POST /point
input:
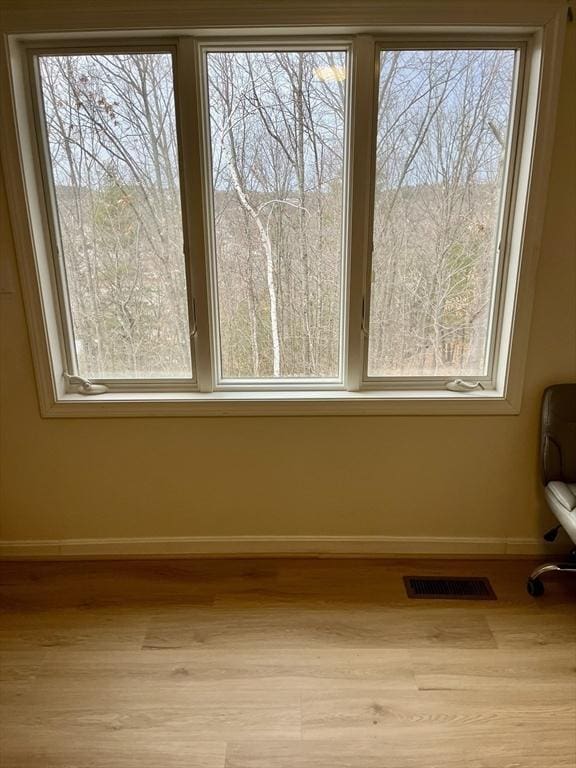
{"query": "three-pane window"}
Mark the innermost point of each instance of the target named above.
(276, 142)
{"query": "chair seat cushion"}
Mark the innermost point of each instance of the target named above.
(561, 498)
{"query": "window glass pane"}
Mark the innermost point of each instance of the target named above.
(111, 131)
(443, 130)
(277, 123)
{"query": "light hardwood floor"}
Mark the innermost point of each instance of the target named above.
(282, 664)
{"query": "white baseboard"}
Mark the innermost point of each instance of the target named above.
(271, 545)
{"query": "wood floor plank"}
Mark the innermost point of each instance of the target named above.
(140, 584)
(459, 714)
(69, 672)
(200, 715)
(400, 752)
(545, 669)
(281, 626)
(111, 628)
(518, 629)
(32, 747)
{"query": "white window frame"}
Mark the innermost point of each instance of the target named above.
(58, 271)
(497, 336)
(292, 43)
(539, 29)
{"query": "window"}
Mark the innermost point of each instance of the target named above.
(277, 126)
(280, 218)
(443, 133)
(112, 150)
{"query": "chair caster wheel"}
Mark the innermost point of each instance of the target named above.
(535, 587)
(552, 533)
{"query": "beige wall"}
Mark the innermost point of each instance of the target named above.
(400, 476)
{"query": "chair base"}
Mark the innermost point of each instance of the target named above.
(535, 585)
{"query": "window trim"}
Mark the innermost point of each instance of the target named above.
(543, 68)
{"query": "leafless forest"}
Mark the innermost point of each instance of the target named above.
(277, 124)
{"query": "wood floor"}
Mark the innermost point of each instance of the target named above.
(282, 664)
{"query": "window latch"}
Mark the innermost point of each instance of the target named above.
(194, 325)
(365, 326)
(459, 385)
(80, 386)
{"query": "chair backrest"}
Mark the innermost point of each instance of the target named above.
(558, 437)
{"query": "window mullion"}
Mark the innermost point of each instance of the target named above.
(193, 149)
(362, 158)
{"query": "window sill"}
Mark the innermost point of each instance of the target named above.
(310, 403)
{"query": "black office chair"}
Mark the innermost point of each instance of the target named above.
(558, 458)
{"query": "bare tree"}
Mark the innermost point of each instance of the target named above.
(112, 134)
(277, 131)
(277, 124)
(442, 119)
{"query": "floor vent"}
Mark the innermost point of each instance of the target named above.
(463, 588)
